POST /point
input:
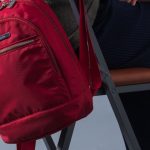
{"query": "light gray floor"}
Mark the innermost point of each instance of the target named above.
(99, 131)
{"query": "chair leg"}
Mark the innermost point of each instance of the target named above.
(65, 138)
(122, 118)
(50, 145)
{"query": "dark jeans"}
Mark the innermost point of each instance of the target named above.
(137, 106)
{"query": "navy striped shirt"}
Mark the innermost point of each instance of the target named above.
(123, 32)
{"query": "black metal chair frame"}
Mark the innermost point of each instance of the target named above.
(64, 139)
(112, 92)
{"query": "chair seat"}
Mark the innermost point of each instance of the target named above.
(130, 76)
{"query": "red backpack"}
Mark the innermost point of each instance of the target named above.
(44, 87)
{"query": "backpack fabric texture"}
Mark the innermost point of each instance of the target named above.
(44, 87)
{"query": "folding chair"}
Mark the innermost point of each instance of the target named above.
(114, 82)
(64, 139)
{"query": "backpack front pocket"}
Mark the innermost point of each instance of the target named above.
(30, 79)
(15, 46)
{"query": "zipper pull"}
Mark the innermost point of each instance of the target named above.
(11, 3)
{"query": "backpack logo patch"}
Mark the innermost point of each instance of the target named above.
(4, 36)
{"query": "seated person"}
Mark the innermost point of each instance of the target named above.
(123, 32)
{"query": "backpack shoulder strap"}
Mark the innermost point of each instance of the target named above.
(29, 145)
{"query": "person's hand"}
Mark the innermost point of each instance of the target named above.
(133, 2)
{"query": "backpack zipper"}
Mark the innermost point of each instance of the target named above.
(15, 46)
(43, 39)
